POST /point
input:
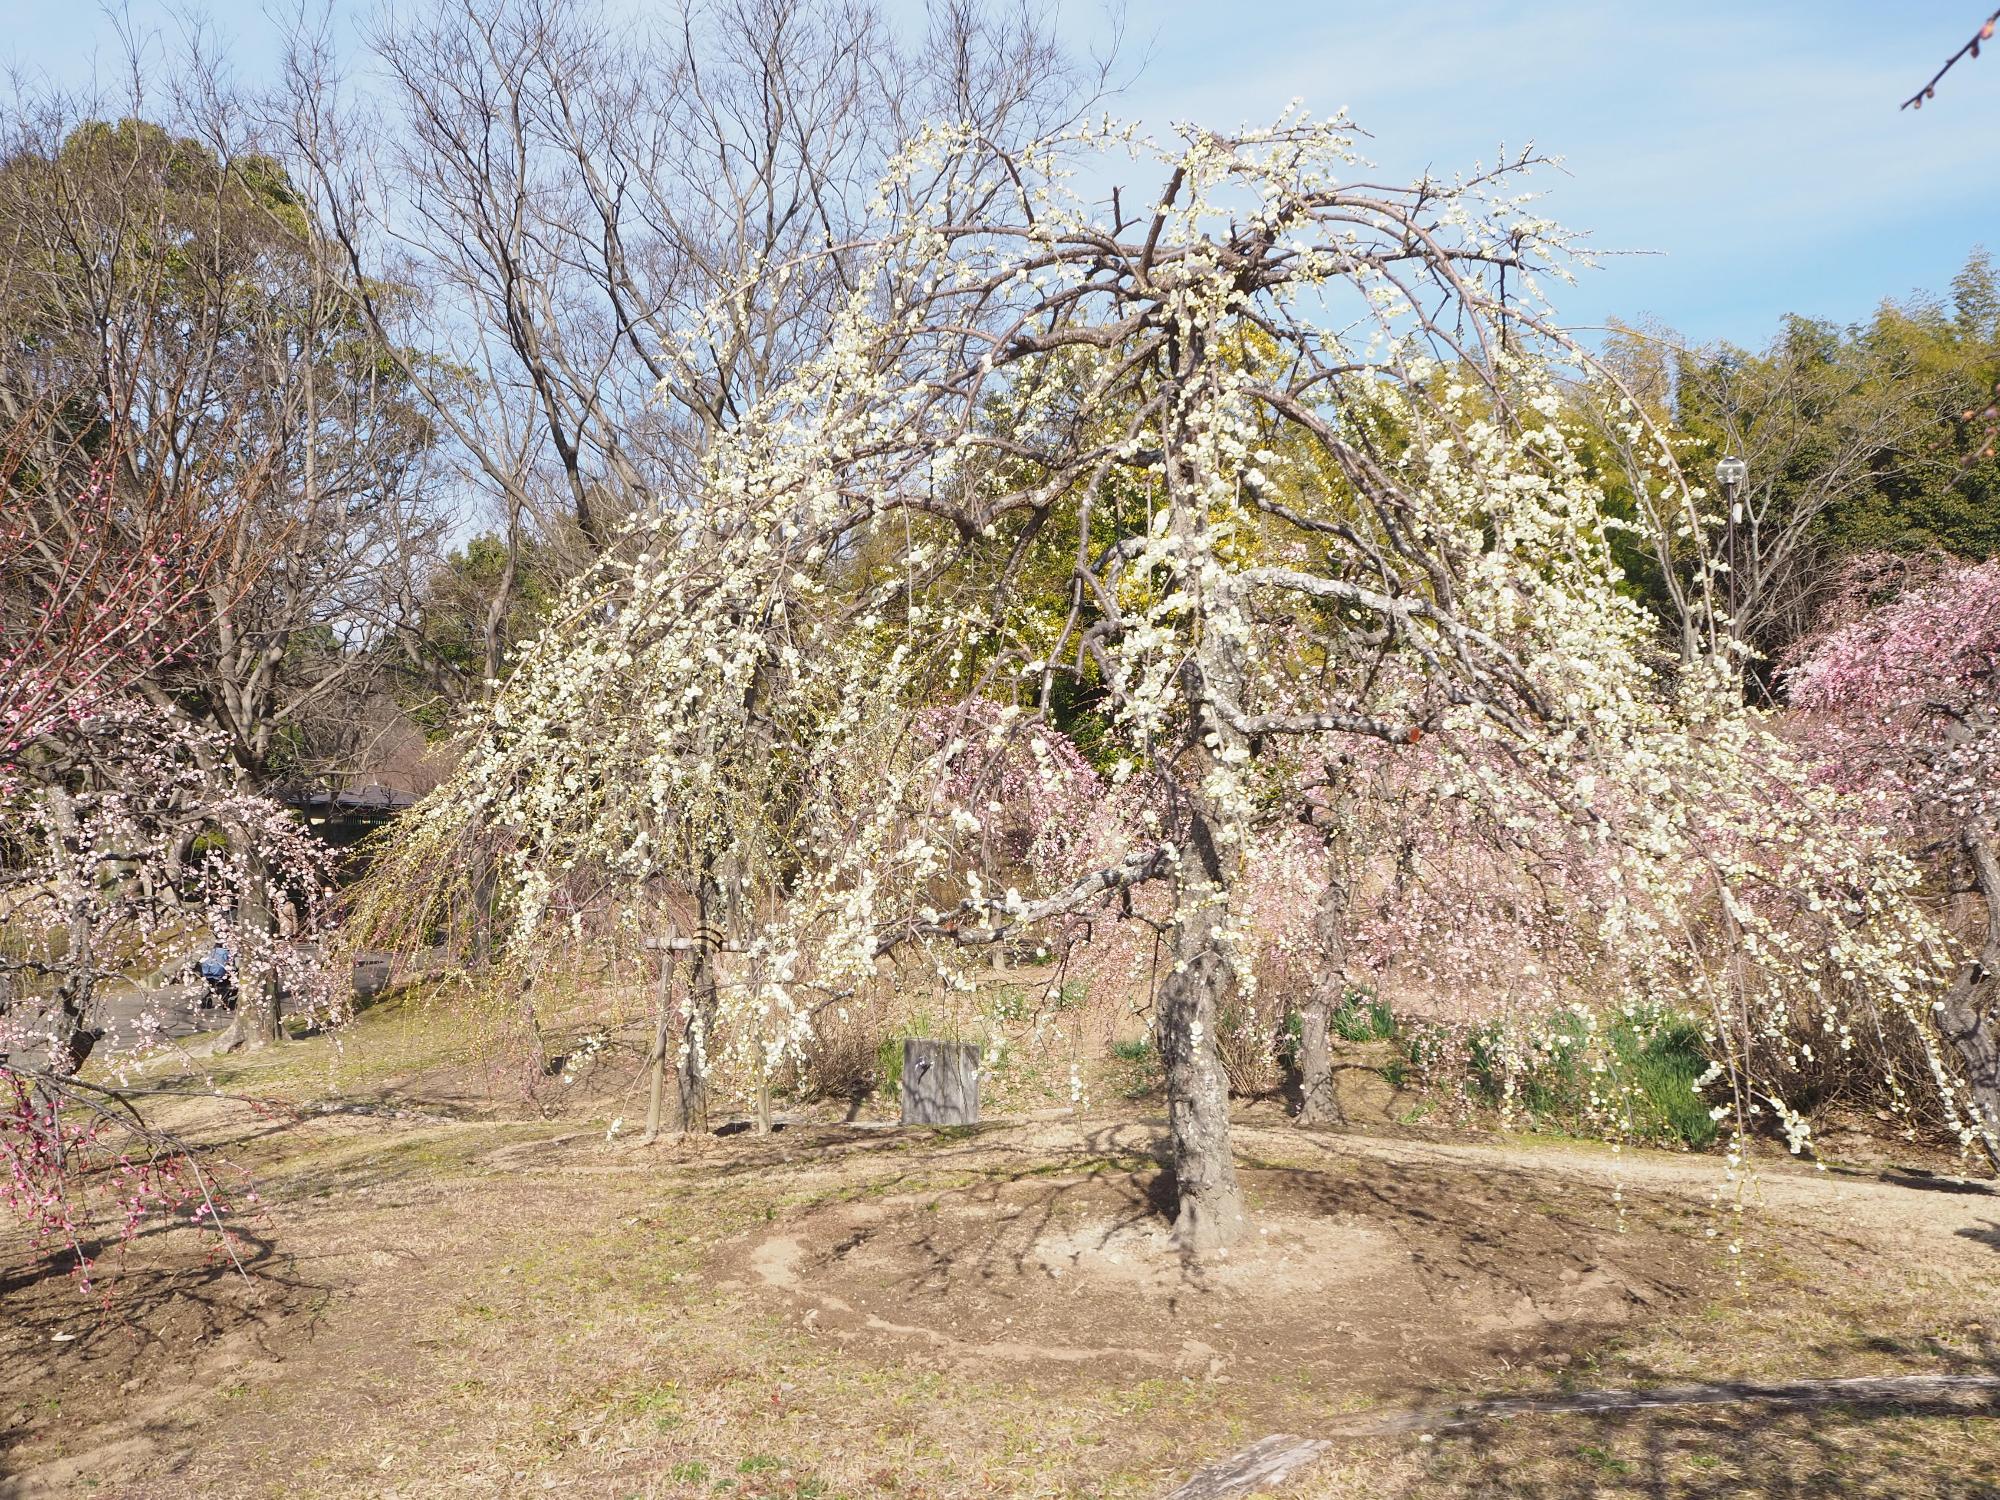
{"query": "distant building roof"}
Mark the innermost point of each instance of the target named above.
(360, 799)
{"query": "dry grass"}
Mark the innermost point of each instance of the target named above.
(466, 1298)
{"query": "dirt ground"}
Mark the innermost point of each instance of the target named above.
(447, 1299)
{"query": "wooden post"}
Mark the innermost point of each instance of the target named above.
(663, 1018)
(940, 1082)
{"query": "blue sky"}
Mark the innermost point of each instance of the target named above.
(1754, 149)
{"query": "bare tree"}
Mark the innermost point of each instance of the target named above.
(546, 205)
(166, 284)
(545, 202)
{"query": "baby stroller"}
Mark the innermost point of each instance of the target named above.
(218, 979)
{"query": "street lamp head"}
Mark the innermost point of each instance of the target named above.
(1730, 473)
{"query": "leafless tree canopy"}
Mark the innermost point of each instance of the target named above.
(543, 198)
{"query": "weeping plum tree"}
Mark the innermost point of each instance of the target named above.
(1902, 701)
(129, 841)
(1295, 457)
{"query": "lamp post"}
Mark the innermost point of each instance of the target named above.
(1730, 472)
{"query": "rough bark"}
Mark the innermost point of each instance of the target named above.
(1191, 996)
(71, 1036)
(259, 1004)
(1201, 979)
(692, 1069)
(1969, 1016)
(1318, 1104)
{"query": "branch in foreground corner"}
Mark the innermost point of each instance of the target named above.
(1970, 49)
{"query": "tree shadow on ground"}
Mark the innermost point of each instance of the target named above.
(1990, 1235)
(1426, 1273)
(1944, 1445)
(171, 1290)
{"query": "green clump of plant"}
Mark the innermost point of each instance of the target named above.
(1664, 1067)
(1141, 1067)
(889, 1064)
(1643, 1066)
(889, 1052)
(1360, 1017)
(1363, 1017)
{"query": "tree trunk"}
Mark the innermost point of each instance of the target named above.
(701, 1004)
(1213, 680)
(1969, 1016)
(71, 1036)
(1318, 1103)
(1191, 997)
(258, 1002)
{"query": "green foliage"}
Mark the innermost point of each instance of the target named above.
(1363, 1018)
(1360, 1017)
(1870, 437)
(1645, 1066)
(889, 1065)
(455, 608)
(1140, 1068)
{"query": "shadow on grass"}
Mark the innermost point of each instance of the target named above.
(1942, 1443)
(172, 1290)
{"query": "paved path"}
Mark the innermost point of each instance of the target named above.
(135, 1017)
(131, 1017)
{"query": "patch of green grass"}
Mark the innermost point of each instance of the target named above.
(1139, 1065)
(1363, 1018)
(1603, 1460)
(693, 1471)
(662, 1403)
(1646, 1065)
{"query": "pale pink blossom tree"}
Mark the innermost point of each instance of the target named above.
(131, 849)
(1901, 704)
(97, 592)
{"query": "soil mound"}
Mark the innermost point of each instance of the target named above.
(1360, 1273)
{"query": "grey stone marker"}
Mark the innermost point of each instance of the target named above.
(940, 1082)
